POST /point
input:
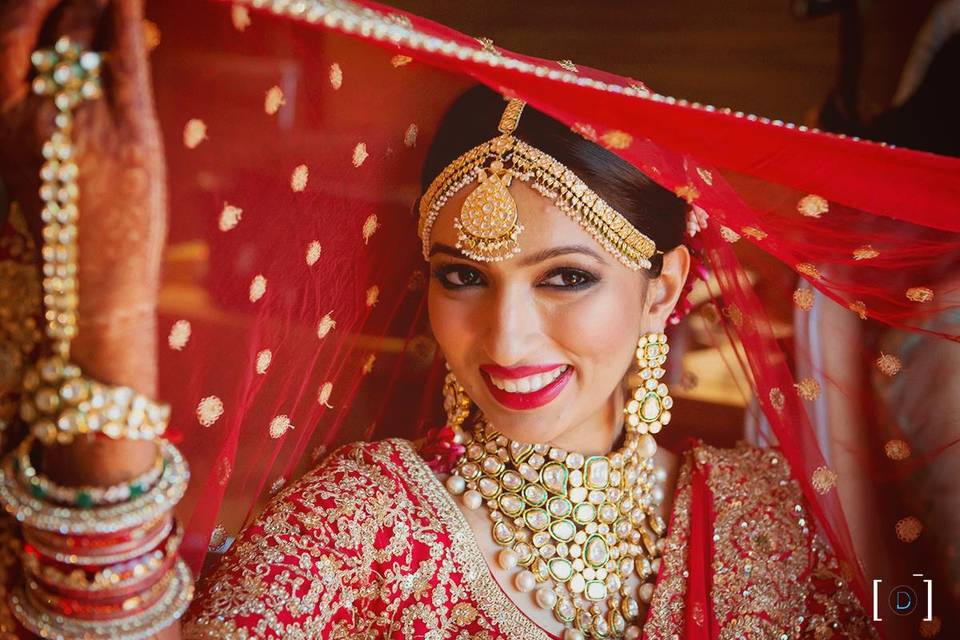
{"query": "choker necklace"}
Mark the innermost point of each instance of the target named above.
(575, 527)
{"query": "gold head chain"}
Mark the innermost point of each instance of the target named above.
(488, 227)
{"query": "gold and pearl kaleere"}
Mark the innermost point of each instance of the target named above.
(488, 226)
(59, 401)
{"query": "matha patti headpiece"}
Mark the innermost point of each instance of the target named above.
(488, 226)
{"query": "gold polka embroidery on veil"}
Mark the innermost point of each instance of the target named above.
(370, 226)
(729, 234)
(824, 479)
(273, 100)
(230, 217)
(264, 358)
(326, 325)
(240, 16)
(179, 335)
(368, 363)
(279, 426)
(889, 365)
(866, 252)
(373, 294)
(568, 65)
(258, 287)
(224, 470)
(584, 130)
(753, 232)
(194, 132)
(687, 192)
(813, 206)
(359, 154)
(919, 294)
(209, 410)
(336, 76)
(897, 449)
(808, 388)
(808, 269)
(299, 177)
(616, 139)
(323, 395)
(777, 399)
(705, 175)
(803, 298)
(416, 281)
(908, 529)
(313, 253)
(410, 135)
(399, 60)
(859, 308)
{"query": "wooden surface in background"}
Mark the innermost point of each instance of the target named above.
(751, 55)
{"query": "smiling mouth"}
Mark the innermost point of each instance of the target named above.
(527, 384)
(528, 392)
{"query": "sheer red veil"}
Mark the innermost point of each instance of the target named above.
(293, 311)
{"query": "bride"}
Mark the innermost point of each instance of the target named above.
(554, 269)
(402, 300)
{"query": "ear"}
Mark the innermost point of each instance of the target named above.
(664, 291)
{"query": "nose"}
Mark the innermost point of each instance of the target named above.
(513, 325)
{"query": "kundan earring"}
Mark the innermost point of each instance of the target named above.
(648, 410)
(456, 404)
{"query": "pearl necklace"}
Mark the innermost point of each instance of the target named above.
(578, 525)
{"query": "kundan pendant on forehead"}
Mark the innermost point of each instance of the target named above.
(488, 226)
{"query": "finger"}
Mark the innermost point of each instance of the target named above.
(20, 24)
(79, 20)
(129, 66)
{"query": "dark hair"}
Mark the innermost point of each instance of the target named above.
(473, 119)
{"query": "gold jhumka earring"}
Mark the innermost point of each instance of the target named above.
(456, 404)
(648, 411)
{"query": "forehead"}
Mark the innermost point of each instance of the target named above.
(544, 224)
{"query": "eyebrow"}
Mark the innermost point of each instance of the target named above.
(527, 260)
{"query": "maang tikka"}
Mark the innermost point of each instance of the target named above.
(488, 225)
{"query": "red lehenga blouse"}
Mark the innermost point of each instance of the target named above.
(371, 545)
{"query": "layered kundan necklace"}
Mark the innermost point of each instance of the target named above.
(574, 527)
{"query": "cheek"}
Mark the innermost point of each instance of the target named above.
(600, 331)
(450, 323)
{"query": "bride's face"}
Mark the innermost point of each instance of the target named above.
(541, 341)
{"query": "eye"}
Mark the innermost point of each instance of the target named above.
(569, 278)
(457, 276)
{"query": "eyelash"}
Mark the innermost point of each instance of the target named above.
(587, 279)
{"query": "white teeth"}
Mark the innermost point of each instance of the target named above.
(528, 384)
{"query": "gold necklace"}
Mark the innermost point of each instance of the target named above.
(575, 527)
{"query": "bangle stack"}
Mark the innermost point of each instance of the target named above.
(99, 561)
